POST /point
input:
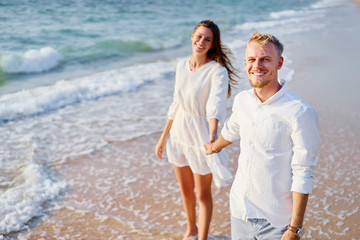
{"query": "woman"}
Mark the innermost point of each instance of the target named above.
(199, 105)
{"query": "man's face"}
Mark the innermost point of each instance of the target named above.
(262, 64)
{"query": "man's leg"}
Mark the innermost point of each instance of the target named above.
(254, 229)
(241, 230)
(264, 230)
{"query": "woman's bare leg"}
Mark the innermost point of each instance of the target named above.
(204, 196)
(185, 178)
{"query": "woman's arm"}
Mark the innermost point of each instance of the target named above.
(216, 105)
(213, 127)
(160, 146)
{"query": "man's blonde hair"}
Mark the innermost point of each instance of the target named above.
(264, 38)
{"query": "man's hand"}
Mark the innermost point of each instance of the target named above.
(289, 235)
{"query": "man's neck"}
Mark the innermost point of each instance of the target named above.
(267, 92)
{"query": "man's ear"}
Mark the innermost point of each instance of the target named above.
(280, 63)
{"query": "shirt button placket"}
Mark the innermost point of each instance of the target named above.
(253, 126)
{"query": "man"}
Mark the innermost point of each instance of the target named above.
(279, 141)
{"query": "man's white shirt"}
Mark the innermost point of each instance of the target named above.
(279, 141)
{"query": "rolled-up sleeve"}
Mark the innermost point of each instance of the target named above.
(217, 101)
(231, 129)
(306, 143)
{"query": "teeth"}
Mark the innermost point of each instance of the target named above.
(199, 46)
(258, 74)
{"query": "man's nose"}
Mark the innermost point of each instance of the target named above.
(257, 63)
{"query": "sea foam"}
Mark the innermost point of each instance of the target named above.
(67, 92)
(31, 61)
(29, 190)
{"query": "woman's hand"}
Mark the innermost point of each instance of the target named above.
(208, 148)
(160, 148)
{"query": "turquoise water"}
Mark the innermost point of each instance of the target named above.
(38, 37)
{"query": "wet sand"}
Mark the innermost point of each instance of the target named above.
(121, 191)
(326, 76)
(121, 200)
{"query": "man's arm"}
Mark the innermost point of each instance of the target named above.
(306, 140)
(216, 146)
(299, 206)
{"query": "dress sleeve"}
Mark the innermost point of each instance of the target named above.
(217, 101)
(173, 109)
(175, 103)
(231, 129)
(306, 143)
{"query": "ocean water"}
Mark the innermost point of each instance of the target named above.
(78, 76)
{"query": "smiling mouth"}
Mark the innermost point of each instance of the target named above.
(199, 46)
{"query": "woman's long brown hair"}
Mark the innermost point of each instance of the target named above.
(220, 53)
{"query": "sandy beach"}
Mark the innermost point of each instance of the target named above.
(145, 196)
(326, 77)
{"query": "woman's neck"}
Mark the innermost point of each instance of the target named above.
(197, 61)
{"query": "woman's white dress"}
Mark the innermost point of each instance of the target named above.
(199, 95)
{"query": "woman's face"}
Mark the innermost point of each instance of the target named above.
(202, 40)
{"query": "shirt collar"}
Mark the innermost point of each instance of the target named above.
(284, 88)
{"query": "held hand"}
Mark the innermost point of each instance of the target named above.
(160, 148)
(208, 148)
(288, 235)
